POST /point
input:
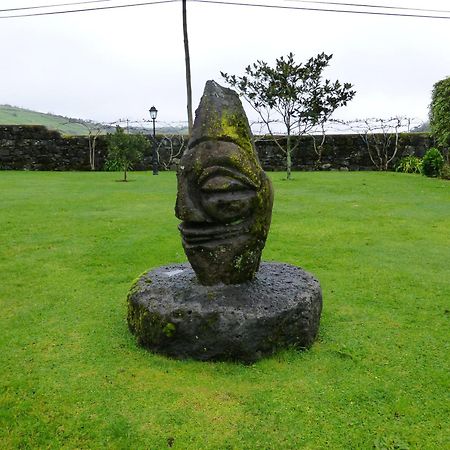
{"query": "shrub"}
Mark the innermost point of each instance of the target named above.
(124, 150)
(409, 164)
(445, 172)
(432, 163)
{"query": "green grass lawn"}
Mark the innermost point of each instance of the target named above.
(71, 375)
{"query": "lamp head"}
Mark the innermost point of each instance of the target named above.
(153, 112)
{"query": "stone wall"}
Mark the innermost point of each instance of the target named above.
(34, 147)
(37, 148)
(340, 152)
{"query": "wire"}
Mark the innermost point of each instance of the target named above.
(361, 5)
(53, 6)
(231, 3)
(259, 5)
(51, 13)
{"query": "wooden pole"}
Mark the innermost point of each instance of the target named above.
(188, 69)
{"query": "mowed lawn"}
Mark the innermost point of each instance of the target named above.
(71, 375)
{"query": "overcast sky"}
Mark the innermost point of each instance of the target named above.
(113, 64)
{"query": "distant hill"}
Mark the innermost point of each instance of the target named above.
(422, 128)
(12, 115)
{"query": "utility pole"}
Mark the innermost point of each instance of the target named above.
(188, 69)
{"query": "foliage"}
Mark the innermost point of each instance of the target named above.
(293, 94)
(409, 164)
(440, 112)
(72, 376)
(432, 163)
(124, 150)
(445, 172)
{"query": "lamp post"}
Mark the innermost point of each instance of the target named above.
(153, 113)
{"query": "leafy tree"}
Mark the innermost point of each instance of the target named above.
(292, 94)
(124, 150)
(440, 112)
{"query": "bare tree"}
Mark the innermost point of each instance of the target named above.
(169, 149)
(381, 137)
(93, 132)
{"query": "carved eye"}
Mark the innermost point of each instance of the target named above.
(226, 195)
(222, 183)
(228, 206)
(220, 179)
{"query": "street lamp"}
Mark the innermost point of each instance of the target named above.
(153, 113)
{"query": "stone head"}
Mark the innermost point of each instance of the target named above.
(224, 197)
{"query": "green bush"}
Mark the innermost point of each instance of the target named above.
(124, 150)
(445, 172)
(432, 163)
(409, 164)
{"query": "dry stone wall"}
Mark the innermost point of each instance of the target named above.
(37, 148)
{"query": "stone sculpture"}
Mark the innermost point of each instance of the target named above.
(224, 197)
(220, 306)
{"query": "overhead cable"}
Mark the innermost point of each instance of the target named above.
(301, 8)
(362, 5)
(54, 6)
(98, 8)
(358, 5)
(231, 3)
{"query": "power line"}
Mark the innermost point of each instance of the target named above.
(53, 6)
(259, 5)
(362, 5)
(358, 5)
(99, 8)
(232, 3)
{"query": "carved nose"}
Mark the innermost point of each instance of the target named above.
(187, 211)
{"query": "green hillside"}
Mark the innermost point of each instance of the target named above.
(12, 115)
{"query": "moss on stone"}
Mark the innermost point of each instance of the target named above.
(235, 127)
(169, 329)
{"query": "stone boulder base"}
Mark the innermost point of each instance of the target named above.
(172, 314)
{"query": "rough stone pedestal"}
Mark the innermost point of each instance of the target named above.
(172, 314)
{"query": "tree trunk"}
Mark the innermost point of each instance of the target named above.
(188, 69)
(90, 150)
(288, 156)
(125, 175)
(93, 152)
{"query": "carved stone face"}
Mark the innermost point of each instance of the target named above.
(225, 204)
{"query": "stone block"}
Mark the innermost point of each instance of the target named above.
(171, 313)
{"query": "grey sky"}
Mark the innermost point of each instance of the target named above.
(114, 64)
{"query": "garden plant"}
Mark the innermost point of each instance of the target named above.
(124, 150)
(432, 163)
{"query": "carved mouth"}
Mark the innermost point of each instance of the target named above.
(195, 233)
